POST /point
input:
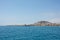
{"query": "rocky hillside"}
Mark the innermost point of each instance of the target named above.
(45, 23)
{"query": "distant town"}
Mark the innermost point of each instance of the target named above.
(45, 23)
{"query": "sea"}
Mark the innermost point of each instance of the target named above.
(29, 32)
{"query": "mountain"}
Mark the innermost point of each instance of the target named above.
(45, 23)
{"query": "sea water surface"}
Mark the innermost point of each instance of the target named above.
(29, 32)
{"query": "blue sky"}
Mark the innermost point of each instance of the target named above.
(28, 11)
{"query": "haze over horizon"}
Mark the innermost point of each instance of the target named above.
(29, 11)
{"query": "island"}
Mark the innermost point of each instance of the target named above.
(39, 23)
